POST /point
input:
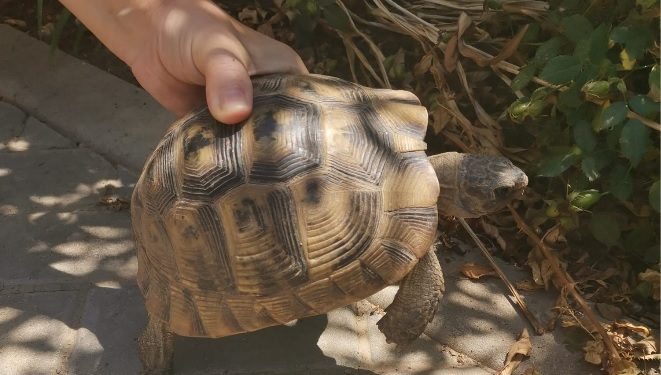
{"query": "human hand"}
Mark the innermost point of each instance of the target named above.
(195, 44)
(176, 48)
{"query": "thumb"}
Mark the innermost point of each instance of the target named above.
(228, 88)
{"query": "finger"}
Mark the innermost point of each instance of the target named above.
(174, 95)
(228, 87)
(271, 56)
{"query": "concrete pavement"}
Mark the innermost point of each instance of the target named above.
(68, 300)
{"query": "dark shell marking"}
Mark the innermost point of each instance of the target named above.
(322, 197)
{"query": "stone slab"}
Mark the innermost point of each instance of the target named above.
(36, 331)
(12, 120)
(32, 134)
(51, 224)
(119, 120)
(106, 342)
(423, 356)
(68, 246)
(478, 319)
(337, 343)
(276, 350)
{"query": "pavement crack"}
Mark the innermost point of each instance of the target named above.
(66, 350)
(28, 287)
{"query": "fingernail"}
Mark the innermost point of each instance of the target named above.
(233, 105)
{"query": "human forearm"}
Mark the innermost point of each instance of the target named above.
(177, 49)
(121, 25)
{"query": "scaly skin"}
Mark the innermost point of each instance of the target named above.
(416, 302)
(470, 186)
(156, 348)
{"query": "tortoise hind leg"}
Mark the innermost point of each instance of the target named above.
(156, 348)
(415, 303)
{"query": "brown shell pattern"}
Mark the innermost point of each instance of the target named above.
(322, 197)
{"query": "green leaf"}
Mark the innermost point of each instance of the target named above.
(654, 197)
(639, 238)
(336, 17)
(605, 228)
(584, 136)
(576, 27)
(634, 140)
(525, 107)
(561, 69)
(523, 78)
(654, 77)
(585, 199)
(557, 162)
(593, 163)
(589, 168)
(292, 3)
(578, 182)
(646, 4)
(598, 44)
(653, 81)
(613, 137)
(644, 106)
(549, 49)
(311, 7)
(596, 90)
(619, 182)
(569, 99)
(636, 39)
(611, 116)
(582, 50)
(621, 86)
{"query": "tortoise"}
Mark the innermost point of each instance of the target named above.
(322, 197)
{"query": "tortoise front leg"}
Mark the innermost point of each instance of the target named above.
(156, 348)
(416, 301)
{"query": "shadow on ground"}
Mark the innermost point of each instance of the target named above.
(68, 300)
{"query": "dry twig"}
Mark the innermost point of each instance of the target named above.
(568, 284)
(539, 329)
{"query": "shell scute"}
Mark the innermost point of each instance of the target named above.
(322, 197)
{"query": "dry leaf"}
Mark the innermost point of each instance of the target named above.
(623, 367)
(653, 277)
(112, 200)
(492, 231)
(593, 351)
(608, 311)
(475, 271)
(521, 348)
(644, 331)
(568, 321)
(510, 47)
(19, 24)
(645, 347)
(423, 65)
(555, 235)
(451, 55)
(248, 16)
(531, 371)
(528, 286)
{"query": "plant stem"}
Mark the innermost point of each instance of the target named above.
(539, 329)
(567, 283)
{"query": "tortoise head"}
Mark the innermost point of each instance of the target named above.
(476, 185)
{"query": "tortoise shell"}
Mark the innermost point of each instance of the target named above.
(321, 198)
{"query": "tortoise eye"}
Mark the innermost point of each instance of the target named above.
(502, 192)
